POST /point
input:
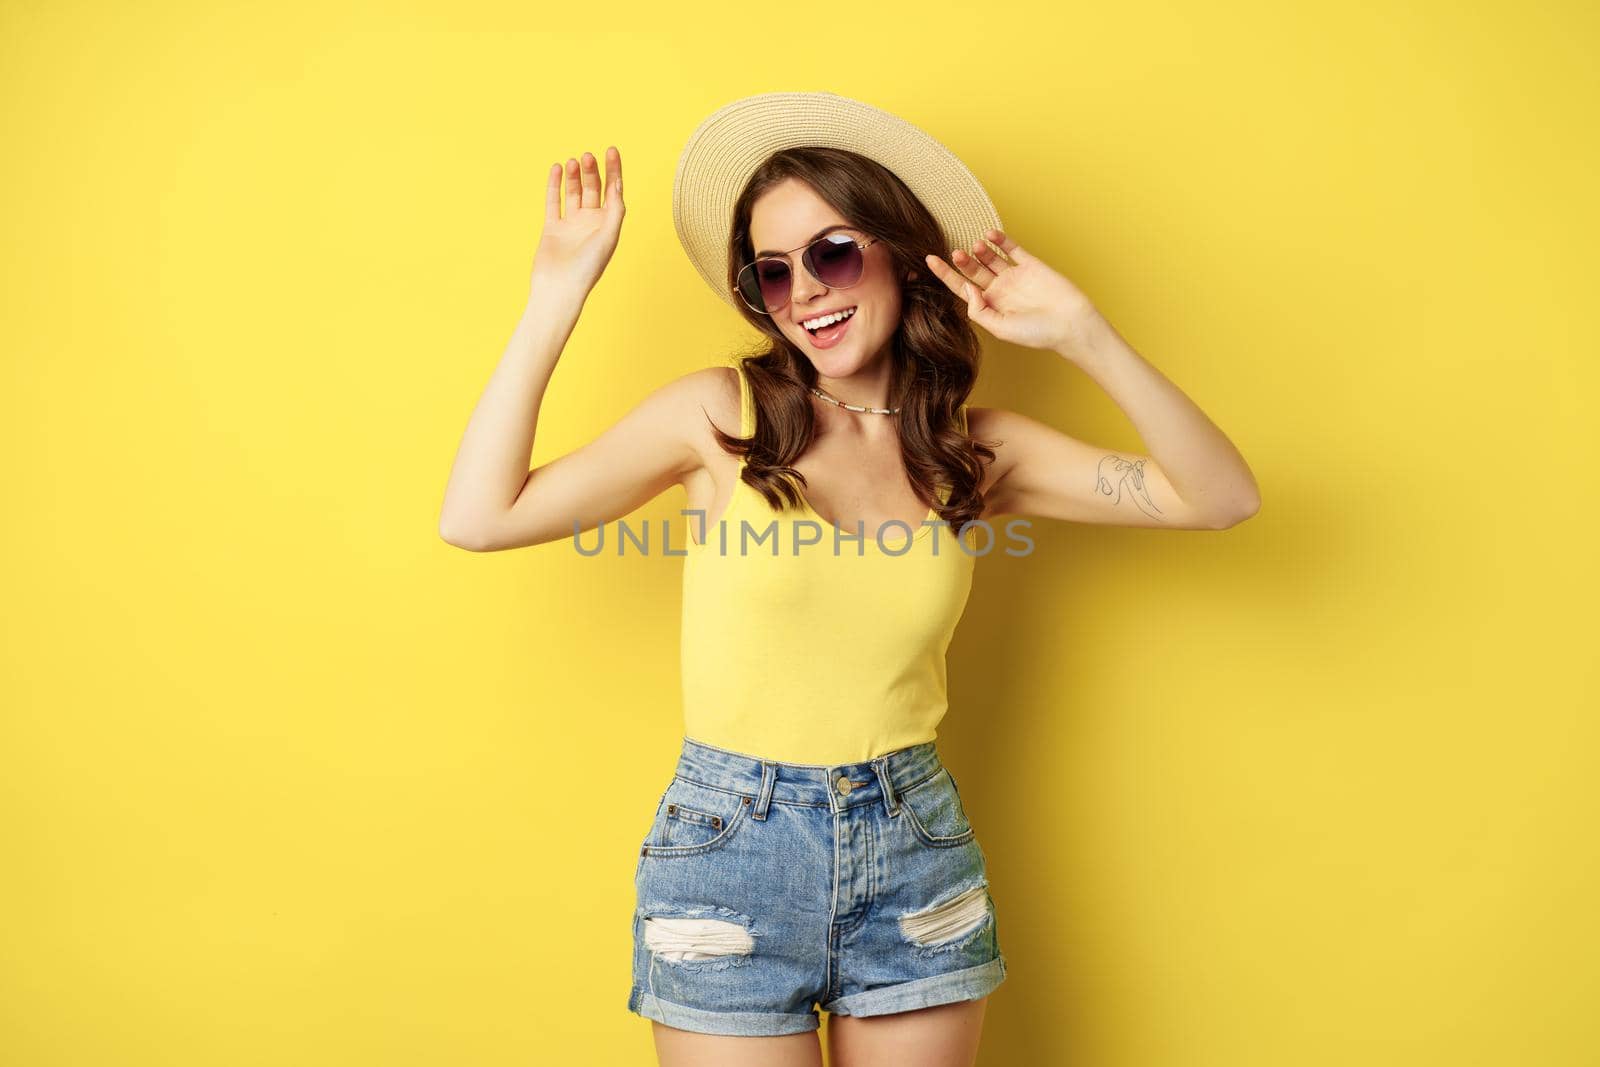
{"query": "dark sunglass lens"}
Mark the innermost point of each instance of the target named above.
(766, 283)
(837, 259)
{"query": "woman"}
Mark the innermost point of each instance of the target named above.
(810, 849)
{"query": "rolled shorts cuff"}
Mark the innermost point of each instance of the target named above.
(738, 1023)
(969, 984)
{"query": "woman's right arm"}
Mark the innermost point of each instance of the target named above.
(493, 500)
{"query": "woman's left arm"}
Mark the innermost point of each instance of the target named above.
(1194, 478)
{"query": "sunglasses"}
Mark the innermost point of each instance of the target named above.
(835, 259)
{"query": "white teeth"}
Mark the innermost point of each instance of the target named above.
(817, 324)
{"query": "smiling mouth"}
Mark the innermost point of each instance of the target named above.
(833, 329)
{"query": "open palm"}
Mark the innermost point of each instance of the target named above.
(574, 251)
(1020, 299)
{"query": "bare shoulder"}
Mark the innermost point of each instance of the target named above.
(717, 391)
(666, 436)
(722, 403)
(992, 426)
(711, 397)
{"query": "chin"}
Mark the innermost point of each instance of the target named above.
(845, 359)
(838, 364)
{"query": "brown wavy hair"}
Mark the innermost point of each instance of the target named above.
(935, 351)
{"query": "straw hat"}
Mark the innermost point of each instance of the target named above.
(725, 150)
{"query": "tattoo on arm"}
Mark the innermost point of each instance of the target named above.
(1114, 472)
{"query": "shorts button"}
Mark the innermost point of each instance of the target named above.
(844, 784)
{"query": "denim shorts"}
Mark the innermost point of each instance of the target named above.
(765, 889)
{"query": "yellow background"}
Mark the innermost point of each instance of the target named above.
(287, 779)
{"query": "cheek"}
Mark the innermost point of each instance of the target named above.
(888, 303)
(884, 296)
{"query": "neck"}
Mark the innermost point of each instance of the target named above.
(867, 388)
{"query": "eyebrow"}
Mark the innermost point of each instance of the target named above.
(813, 237)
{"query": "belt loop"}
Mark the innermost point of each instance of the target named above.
(768, 780)
(891, 801)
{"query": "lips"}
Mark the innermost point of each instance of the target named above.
(818, 315)
(829, 336)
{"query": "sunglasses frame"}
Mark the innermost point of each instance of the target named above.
(860, 238)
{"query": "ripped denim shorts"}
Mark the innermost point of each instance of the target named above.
(767, 889)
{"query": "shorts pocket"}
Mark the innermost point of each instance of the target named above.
(694, 818)
(933, 809)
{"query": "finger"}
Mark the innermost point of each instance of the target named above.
(989, 256)
(945, 273)
(972, 267)
(979, 310)
(590, 180)
(552, 193)
(1008, 246)
(614, 175)
(974, 297)
(574, 194)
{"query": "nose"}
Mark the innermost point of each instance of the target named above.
(803, 290)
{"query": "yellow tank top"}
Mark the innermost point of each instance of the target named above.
(791, 652)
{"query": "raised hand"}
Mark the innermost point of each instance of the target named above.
(573, 251)
(1020, 299)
